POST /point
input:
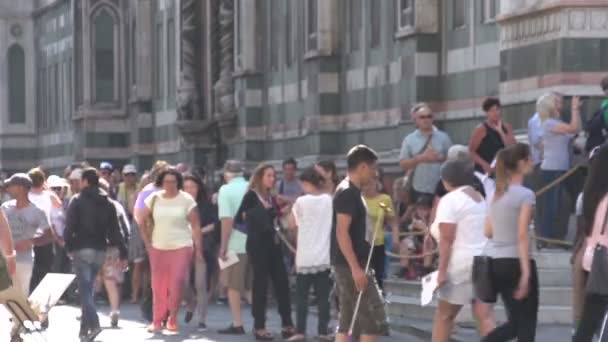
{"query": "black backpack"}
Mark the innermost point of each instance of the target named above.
(596, 129)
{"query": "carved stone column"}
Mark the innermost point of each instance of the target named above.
(224, 87)
(188, 93)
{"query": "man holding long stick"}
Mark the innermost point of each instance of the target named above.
(350, 249)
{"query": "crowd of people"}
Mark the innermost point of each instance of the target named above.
(167, 240)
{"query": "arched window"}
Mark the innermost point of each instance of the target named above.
(16, 84)
(104, 54)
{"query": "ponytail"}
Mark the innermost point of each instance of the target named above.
(502, 175)
(507, 162)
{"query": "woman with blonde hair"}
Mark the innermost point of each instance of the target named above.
(258, 211)
(556, 137)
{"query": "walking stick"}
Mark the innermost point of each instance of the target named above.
(386, 209)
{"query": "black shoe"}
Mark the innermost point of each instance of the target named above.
(93, 333)
(202, 327)
(232, 330)
(114, 320)
(188, 317)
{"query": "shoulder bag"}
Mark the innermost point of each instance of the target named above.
(409, 175)
(598, 275)
(483, 285)
(150, 227)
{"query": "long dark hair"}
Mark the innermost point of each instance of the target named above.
(201, 195)
(507, 162)
(596, 187)
(330, 166)
(312, 176)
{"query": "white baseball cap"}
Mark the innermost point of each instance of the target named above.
(56, 182)
(129, 168)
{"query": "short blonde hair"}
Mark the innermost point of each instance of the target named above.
(546, 106)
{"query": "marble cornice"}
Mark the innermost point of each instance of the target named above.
(585, 20)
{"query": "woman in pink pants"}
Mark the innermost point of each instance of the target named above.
(171, 234)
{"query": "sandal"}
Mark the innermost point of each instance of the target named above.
(263, 335)
(287, 332)
(296, 337)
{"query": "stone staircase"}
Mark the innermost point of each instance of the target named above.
(555, 277)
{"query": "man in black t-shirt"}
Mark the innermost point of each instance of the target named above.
(350, 249)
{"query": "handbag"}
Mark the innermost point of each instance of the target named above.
(597, 283)
(483, 284)
(5, 278)
(409, 176)
(150, 226)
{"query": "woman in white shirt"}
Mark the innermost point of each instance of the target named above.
(313, 216)
(459, 228)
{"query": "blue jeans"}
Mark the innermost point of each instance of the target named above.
(87, 263)
(550, 203)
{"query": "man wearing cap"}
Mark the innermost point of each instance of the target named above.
(105, 171)
(30, 227)
(233, 242)
(127, 189)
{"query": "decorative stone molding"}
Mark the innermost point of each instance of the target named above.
(581, 22)
(426, 19)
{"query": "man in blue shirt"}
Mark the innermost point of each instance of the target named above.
(423, 151)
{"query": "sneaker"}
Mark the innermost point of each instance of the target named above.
(232, 330)
(114, 320)
(202, 326)
(188, 317)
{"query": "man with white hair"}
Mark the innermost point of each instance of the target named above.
(233, 242)
(423, 151)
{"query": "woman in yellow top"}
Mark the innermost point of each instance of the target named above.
(176, 234)
(378, 218)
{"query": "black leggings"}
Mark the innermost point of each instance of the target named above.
(594, 310)
(378, 263)
(522, 314)
(267, 262)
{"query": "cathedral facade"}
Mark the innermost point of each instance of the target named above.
(200, 81)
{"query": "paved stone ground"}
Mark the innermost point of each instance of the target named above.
(64, 328)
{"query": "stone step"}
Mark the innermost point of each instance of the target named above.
(547, 278)
(549, 295)
(547, 259)
(403, 308)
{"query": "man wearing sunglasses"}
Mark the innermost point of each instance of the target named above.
(423, 151)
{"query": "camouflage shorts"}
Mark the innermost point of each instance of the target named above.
(371, 319)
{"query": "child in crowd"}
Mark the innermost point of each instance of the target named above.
(418, 244)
